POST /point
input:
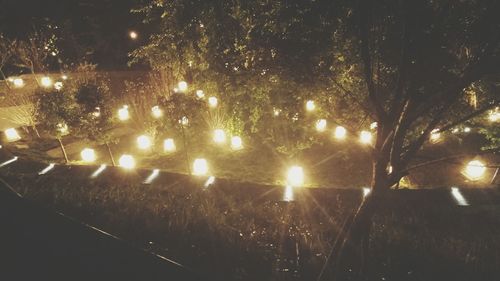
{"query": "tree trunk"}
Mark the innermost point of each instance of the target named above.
(110, 155)
(63, 151)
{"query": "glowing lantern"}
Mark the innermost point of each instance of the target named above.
(310, 105)
(123, 113)
(276, 111)
(97, 112)
(58, 85)
(340, 133)
(475, 170)
(365, 137)
(236, 143)
(494, 115)
(11, 134)
(143, 142)
(466, 130)
(200, 94)
(64, 77)
(295, 176)
(219, 136)
(133, 35)
(321, 125)
(18, 82)
(156, 111)
(435, 135)
(63, 128)
(88, 155)
(200, 167)
(127, 161)
(212, 101)
(168, 145)
(373, 125)
(184, 121)
(46, 82)
(182, 86)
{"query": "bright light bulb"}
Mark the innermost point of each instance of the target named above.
(373, 126)
(168, 145)
(212, 101)
(88, 155)
(58, 85)
(200, 167)
(200, 94)
(321, 125)
(475, 170)
(11, 134)
(276, 111)
(494, 115)
(63, 128)
(156, 111)
(340, 132)
(18, 82)
(46, 82)
(133, 35)
(127, 161)
(310, 105)
(435, 135)
(184, 121)
(365, 137)
(143, 142)
(236, 143)
(219, 136)
(466, 130)
(123, 113)
(295, 176)
(182, 86)
(64, 77)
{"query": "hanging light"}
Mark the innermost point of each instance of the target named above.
(321, 125)
(123, 113)
(200, 94)
(236, 143)
(127, 161)
(156, 111)
(295, 176)
(11, 134)
(143, 142)
(310, 105)
(63, 128)
(365, 137)
(58, 85)
(168, 145)
(212, 102)
(494, 115)
(18, 82)
(46, 82)
(133, 35)
(88, 155)
(435, 135)
(200, 167)
(340, 133)
(184, 121)
(182, 86)
(64, 77)
(373, 126)
(276, 111)
(219, 136)
(467, 130)
(475, 170)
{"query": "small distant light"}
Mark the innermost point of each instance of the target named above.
(154, 174)
(99, 170)
(209, 181)
(276, 111)
(64, 77)
(310, 105)
(97, 112)
(340, 133)
(46, 82)
(455, 130)
(123, 113)
(133, 35)
(182, 86)
(321, 125)
(212, 102)
(466, 130)
(288, 195)
(200, 94)
(143, 142)
(373, 126)
(219, 136)
(200, 167)
(58, 85)
(184, 121)
(18, 82)
(236, 143)
(435, 135)
(53, 54)
(365, 137)
(494, 115)
(88, 155)
(12, 135)
(156, 111)
(168, 145)
(127, 161)
(47, 169)
(366, 191)
(295, 176)
(459, 198)
(63, 128)
(9, 161)
(475, 170)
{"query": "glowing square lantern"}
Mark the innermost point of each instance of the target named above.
(127, 161)
(475, 170)
(200, 94)
(340, 133)
(123, 113)
(182, 86)
(212, 102)
(321, 125)
(310, 105)
(168, 145)
(365, 137)
(18, 82)
(46, 82)
(11, 134)
(200, 167)
(219, 136)
(88, 155)
(143, 142)
(156, 111)
(236, 143)
(295, 176)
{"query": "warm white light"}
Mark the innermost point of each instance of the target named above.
(184, 121)
(435, 135)
(18, 82)
(156, 111)
(200, 167)
(99, 170)
(9, 161)
(133, 35)
(295, 176)
(475, 170)
(288, 196)
(97, 112)
(459, 198)
(466, 130)
(455, 130)
(494, 115)
(321, 125)
(365, 137)
(123, 113)
(366, 191)
(236, 143)
(127, 161)
(310, 105)
(212, 101)
(276, 111)
(46, 82)
(373, 126)
(64, 77)
(58, 85)
(63, 128)
(88, 155)
(209, 181)
(143, 142)
(47, 169)
(200, 94)
(340, 132)
(154, 174)
(168, 145)
(182, 86)
(11, 134)
(219, 136)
